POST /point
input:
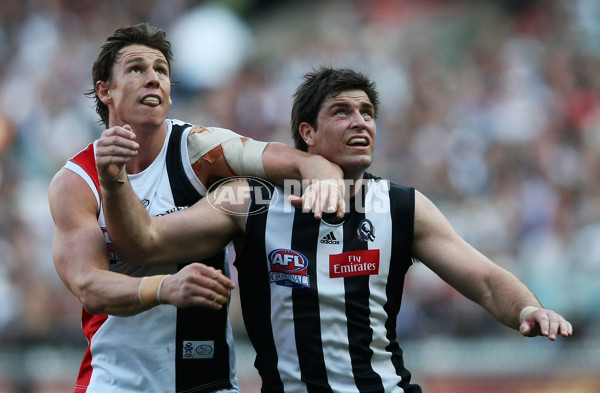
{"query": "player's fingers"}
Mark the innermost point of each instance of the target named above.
(318, 206)
(205, 296)
(309, 198)
(223, 280)
(117, 145)
(208, 280)
(114, 155)
(124, 131)
(331, 201)
(553, 326)
(211, 302)
(544, 324)
(566, 329)
(341, 210)
(295, 200)
(337, 204)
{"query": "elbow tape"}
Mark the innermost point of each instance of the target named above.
(244, 157)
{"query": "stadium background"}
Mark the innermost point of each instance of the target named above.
(491, 108)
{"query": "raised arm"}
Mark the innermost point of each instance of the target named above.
(501, 293)
(196, 233)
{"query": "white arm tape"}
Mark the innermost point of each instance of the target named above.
(200, 143)
(243, 158)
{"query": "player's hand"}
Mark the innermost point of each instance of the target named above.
(322, 196)
(547, 323)
(197, 285)
(114, 149)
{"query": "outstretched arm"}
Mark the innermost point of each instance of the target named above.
(217, 153)
(500, 292)
(324, 193)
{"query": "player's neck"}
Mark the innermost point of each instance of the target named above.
(353, 184)
(151, 143)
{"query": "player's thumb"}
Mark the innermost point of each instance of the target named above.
(525, 329)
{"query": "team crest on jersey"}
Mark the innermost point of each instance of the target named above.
(288, 268)
(366, 231)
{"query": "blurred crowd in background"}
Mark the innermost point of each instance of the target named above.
(490, 108)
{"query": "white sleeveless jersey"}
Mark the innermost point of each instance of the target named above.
(320, 298)
(163, 349)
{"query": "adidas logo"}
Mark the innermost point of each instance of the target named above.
(329, 239)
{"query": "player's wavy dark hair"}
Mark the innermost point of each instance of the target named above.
(320, 85)
(139, 34)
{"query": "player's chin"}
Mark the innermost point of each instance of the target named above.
(362, 162)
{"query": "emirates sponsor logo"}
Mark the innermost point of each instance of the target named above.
(354, 263)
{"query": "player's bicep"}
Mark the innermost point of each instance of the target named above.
(440, 248)
(78, 244)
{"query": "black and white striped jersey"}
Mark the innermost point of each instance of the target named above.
(320, 298)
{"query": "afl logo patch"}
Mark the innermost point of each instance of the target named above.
(288, 268)
(231, 195)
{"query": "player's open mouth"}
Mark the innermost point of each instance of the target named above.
(358, 141)
(151, 100)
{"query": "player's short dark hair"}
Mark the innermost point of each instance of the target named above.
(139, 34)
(320, 85)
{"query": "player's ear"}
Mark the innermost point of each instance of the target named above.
(307, 133)
(103, 91)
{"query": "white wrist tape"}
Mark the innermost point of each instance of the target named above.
(526, 311)
(149, 290)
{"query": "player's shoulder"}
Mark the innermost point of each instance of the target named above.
(69, 190)
(394, 187)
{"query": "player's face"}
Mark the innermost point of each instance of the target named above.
(346, 132)
(140, 87)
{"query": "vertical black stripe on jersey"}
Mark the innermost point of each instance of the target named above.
(253, 273)
(360, 333)
(307, 319)
(183, 192)
(196, 323)
(402, 203)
